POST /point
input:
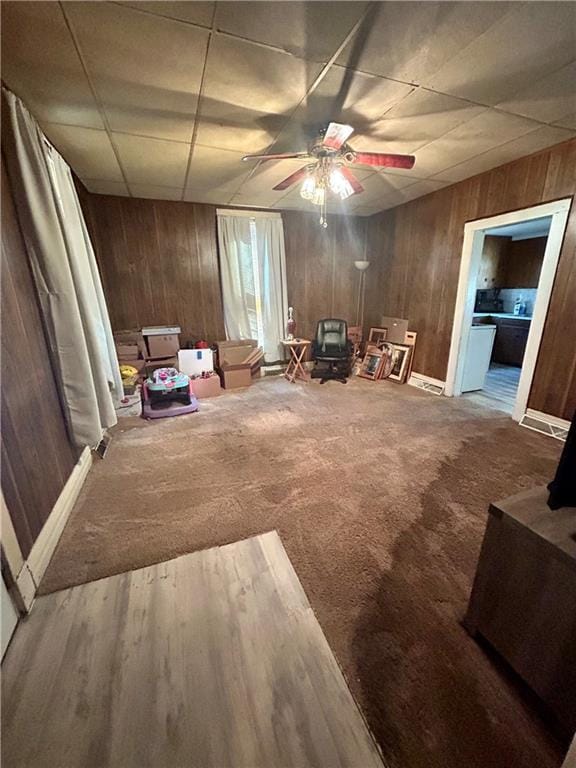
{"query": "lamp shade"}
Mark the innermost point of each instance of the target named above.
(362, 265)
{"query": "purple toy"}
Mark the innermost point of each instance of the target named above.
(167, 393)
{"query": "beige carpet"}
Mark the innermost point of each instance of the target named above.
(379, 493)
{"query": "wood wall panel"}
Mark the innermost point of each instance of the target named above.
(420, 246)
(159, 263)
(37, 457)
(321, 277)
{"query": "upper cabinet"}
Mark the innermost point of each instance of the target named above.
(508, 263)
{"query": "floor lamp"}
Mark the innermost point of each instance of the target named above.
(361, 266)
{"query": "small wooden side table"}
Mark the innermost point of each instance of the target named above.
(295, 369)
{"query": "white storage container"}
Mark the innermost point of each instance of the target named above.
(195, 362)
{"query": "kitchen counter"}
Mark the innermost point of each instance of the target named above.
(503, 315)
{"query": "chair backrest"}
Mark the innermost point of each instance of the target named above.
(331, 334)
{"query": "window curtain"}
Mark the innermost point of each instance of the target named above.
(253, 268)
(66, 276)
(235, 244)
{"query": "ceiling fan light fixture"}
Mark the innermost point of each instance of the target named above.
(339, 184)
(319, 196)
(308, 188)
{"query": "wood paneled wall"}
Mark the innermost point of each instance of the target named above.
(419, 245)
(321, 277)
(37, 457)
(159, 264)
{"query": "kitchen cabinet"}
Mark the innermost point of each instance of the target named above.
(511, 340)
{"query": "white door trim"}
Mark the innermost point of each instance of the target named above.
(27, 573)
(474, 232)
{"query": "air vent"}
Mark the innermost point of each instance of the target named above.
(546, 425)
(436, 388)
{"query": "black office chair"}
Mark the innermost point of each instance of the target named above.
(332, 351)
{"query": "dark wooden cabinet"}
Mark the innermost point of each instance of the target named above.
(510, 341)
(524, 596)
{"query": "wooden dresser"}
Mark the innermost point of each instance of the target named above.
(523, 601)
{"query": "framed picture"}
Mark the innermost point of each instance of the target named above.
(377, 336)
(372, 363)
(411, 341)
(401, 354)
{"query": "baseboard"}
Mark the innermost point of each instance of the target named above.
(427, 382)
(546, 424)
(44, 546)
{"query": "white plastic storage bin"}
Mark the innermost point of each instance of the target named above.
(195, 362)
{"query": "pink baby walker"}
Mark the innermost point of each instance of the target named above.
(167, 392)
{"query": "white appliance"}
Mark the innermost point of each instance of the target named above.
(478, 354)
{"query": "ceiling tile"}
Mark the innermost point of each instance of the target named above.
(268, 174)
(232, 127)
(100, 187)
(217, 196)
(533, 40)
(377, 186)
(548, 99)
(546, 136)
(213, 168)
(87, 150)
(252, 201)
(152, 161)
(196, 12)
(343, 96)
(417, 120)
(567, 121)
(239, 74)
(316, 29)
(146, 69)
(490, 129)
(409, 41)
(154, 192)
(40, 64)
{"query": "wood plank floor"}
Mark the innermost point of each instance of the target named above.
(500, 388)
(214, 659)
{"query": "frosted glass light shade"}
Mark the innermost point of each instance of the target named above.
(362, 265)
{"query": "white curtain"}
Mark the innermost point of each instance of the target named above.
(66, 276)
(235, 244)
(253, 267)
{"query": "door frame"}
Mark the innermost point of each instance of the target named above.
(474, 233)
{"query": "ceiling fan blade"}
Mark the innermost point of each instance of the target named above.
(292, 179)
(336, 135)
(354, 183)
(382, 160)
(280, 156)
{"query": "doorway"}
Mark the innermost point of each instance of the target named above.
(498, 326)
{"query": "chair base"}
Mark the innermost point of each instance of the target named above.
(337, 370)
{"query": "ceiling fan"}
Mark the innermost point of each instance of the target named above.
(330, 172)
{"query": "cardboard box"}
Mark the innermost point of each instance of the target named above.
(238, 362)
(195, 362)
(235, 377)
(138, 364)
(165, 362)
(163, 346)
(130, 338)
(209, 387)
(162, 341)
(127, 351)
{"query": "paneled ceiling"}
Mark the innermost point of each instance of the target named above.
(162, 99)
